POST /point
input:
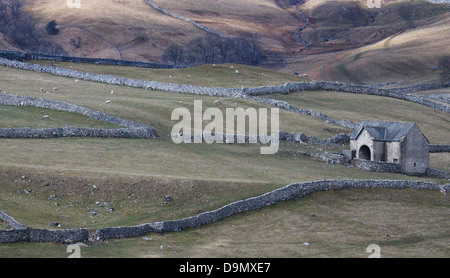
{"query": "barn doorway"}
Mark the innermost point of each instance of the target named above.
(364, 153)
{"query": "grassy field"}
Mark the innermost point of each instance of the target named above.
(404, 223)
(220, 76)
(31, 117)
(357, 108)
(134, 176)
(150, 107)
(440, 161)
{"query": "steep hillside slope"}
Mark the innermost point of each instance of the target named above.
(329, 40)
(415, 56)
(112, 29)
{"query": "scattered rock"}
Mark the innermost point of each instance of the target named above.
(168, 198)
(53, 197)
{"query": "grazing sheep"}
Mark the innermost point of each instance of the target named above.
(238, 72)
(55, 89)
(46, 117)
(214, 65)
(148, 87)
(232, 67)
(42, 90)
(112, 92)
(47, 92)
(108, 101)
(77, 81)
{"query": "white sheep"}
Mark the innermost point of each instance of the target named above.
(55, 89)
(77, 81)
(42, 90)
(112, 92)
(46, 117)
(238, 72)
(108, 101)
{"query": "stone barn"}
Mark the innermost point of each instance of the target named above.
(392, 142)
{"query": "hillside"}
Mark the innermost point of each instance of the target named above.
(410, 57)
(329, 40)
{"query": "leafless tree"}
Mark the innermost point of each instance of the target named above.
(174, 54)
(76, 42)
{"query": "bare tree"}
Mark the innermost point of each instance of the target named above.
(224, 47)
(174, 54)
(76, 43)
(200, 48)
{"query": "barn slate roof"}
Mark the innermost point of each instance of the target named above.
(384, 131)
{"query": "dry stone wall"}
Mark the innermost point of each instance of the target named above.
(42, 235)
(26, 56)
(132, 130)
(290, 192)
(229, 92)
(439, 148)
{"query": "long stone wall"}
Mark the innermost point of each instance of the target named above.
(26, 56)
(132, 130)
(290, 192)
(248, 93)
(439, 148)
(438, 174)
(377, 166)
(65, 132)
(42, 235)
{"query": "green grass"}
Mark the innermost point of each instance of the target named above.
(220, 76)
(440, 161)
(150, 107)
(134, 176)
(357, 108)
(32, 117)
(404, 223)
